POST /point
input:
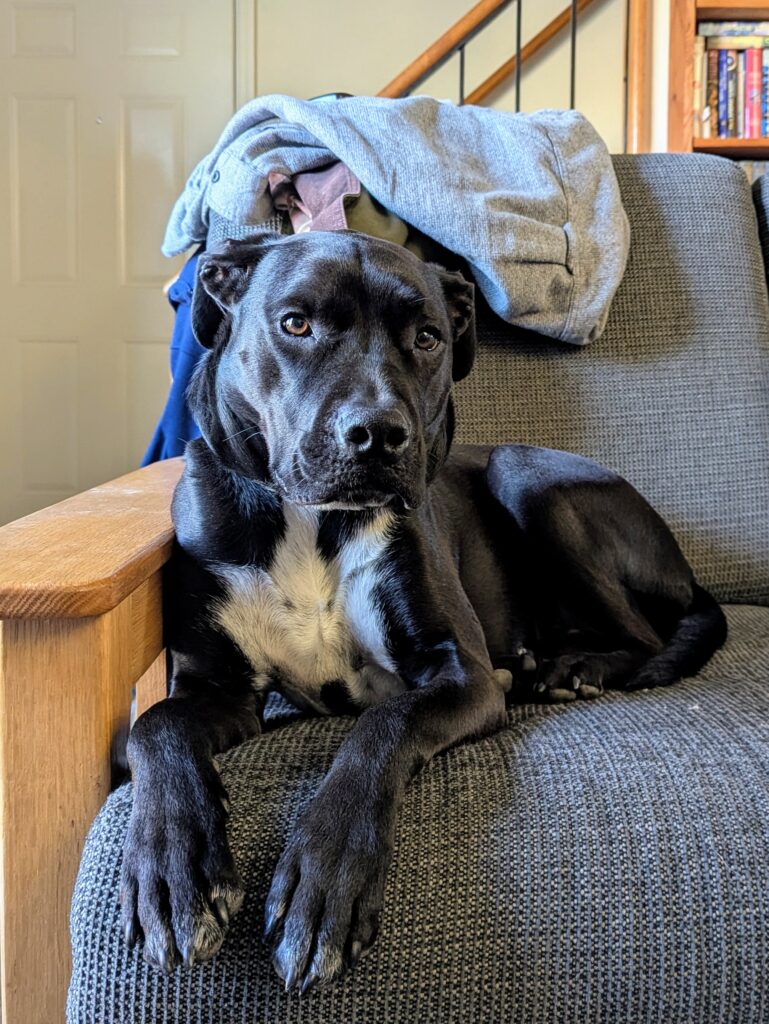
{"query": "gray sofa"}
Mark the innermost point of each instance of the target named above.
(594, 862)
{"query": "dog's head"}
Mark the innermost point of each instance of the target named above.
(331, 364)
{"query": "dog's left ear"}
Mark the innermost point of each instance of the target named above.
(460, 303)
(221, 282)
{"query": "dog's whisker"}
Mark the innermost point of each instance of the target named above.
(237, 432)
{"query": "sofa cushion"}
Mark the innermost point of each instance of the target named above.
(594, 862)
(675, 394)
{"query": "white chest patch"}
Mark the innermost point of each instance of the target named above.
(310, 620)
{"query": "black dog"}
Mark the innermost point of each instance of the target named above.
(329, 546)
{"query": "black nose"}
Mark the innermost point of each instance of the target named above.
(374, 432)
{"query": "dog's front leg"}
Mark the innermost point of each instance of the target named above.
(323, 906)
(179, 882)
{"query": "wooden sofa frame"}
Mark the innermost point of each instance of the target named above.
(80, 628)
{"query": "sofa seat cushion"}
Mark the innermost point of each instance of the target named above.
(595, 862)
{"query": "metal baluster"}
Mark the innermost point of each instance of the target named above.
(573, 83)
(461, 75)
(518, 5)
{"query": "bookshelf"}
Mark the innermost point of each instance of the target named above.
(684, 18)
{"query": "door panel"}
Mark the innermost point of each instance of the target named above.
(106, 107)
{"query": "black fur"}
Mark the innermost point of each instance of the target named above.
(521, 559)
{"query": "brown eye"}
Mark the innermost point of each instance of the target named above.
(296, 325)
(428, 340)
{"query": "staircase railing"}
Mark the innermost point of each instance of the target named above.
(454, 40)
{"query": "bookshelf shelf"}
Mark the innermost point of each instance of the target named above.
(738, 149)
(726, 11)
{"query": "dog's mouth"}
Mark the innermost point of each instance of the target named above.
(353, 494)
(349, 504)
(343, 499)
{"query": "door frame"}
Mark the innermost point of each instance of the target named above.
(245, 52)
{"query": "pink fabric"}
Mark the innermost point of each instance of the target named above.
(315, 200)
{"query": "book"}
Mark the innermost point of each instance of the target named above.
(753, 93)
(739, 120)
(733, 28)
(765, 93)
(697, 87)
(737, 42)
(723, 97)
(710, 110)
(731, 94)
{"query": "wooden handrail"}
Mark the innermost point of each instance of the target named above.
(548, 33)
(638, 127)
(434, 56)
(638, 65)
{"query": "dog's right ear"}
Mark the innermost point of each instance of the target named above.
(221, 282)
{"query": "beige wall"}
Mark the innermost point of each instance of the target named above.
(660, 56)
(306, 47)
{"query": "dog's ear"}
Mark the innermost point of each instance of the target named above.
(460, 303)
(221, 281)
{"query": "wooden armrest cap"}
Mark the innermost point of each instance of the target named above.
(84, 555)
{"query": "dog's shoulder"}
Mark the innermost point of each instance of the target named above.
(220, 516)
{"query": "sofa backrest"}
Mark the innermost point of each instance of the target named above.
(675, 394)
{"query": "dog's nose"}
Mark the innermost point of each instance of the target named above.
(374, 432)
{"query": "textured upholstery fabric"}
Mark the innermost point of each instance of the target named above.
(675, 394)
(593, 863)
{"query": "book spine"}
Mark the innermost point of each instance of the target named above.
(710, 114)
(733, 28)
(697, 90)
(753, 89)
(731, 94)
(723, 95)
(741, 94)
(765, 93)
(737, 42)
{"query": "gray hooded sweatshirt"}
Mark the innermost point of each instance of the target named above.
(531, 201)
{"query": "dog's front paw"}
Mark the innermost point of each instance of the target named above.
(179, 885)
(322, 911)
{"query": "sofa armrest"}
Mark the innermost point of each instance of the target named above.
(80, 627)
(86, 554)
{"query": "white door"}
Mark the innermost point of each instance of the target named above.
(106, 107)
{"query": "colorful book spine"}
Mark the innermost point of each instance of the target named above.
(765, 93)
(753, 91)
(710, 113)
(741, 94)
(723, 95)
(731, 93)
(737, 42)
(698, 102)
(733, 28)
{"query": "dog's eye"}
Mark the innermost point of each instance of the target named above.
(428, 339)
(296, 325)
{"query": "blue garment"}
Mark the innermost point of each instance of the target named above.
(176, 425)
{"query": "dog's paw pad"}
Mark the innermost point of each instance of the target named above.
(504, 679)
(560, 695)
(587, 689)
(526, 660)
